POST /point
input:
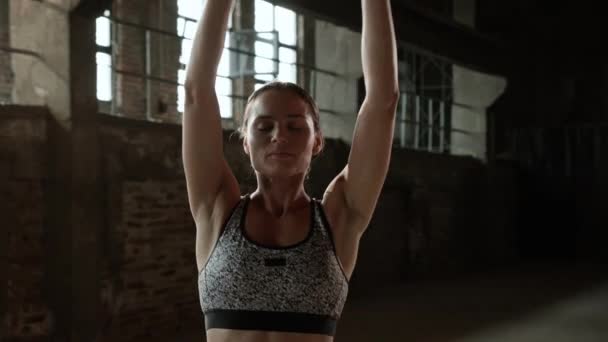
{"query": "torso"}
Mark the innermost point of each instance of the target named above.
(257, 228)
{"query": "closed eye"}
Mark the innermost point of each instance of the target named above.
(264, 127)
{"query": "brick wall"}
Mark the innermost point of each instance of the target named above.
(133, 49)
(150, 277)
(22, 170)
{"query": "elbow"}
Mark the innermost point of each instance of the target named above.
(386, 100)
(195, 92)
(189, 92)
(394, 96)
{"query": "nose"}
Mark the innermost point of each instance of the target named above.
(279, 135)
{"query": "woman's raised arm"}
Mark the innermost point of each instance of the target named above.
(202, 147)
(370, 151)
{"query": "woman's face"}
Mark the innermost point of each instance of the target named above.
(280, 138)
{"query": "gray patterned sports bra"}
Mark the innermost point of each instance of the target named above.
(297, 288)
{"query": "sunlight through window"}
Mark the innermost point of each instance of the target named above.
(189, 12)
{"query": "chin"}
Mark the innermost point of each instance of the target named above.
(282, 172)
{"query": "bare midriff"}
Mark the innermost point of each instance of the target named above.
(227, 335)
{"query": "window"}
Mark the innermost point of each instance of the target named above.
(103, 34)
(275, 50)
(424, 110)
(276, 39)
(186, 28)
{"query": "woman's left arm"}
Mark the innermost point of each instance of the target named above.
(370, 153)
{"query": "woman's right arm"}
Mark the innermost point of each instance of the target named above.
(206, 169)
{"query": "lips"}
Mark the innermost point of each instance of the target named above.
(280, 155)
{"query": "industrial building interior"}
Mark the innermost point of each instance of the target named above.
(490, 225)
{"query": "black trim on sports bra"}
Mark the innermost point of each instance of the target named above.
(270, 321)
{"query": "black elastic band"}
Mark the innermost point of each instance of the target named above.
(271, 321)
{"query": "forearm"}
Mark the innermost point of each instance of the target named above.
(208, 45)
(379, 52)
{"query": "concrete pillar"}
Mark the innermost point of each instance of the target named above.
(42, 28)
(86, 200)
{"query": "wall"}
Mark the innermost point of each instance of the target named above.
(473, 93)
(23, 165)
(41, 81)
(551, 123)
(148, 241)
(337, 50)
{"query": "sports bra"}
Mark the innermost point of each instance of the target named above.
(298, 288)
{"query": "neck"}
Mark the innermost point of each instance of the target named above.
(279, 196)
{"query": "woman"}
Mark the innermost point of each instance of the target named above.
(274, 264)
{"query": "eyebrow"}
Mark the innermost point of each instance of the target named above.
(266, 116)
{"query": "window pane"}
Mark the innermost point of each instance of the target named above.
(181, 98)
(286, 25)
(223, 68)
(264, 50)
(287, 71)
(264, 66)
(186, 51)
(190, 29)
(263, 16)
(181, 26)
(225, 106)
(104, 76)
(190, 8)
(181, 76)
(287, 55)
(223, 86)
(102, 31)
